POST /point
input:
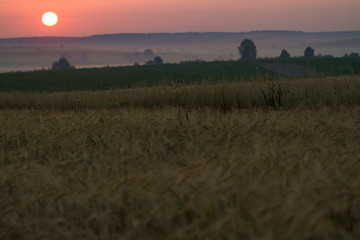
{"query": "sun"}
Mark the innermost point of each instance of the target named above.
(49, 19)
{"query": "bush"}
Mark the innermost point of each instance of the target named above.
(156, 61)
(284, 54)
(61, 64)
(309, 52)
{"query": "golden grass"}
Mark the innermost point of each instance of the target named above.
(170, 173)
(224, 96)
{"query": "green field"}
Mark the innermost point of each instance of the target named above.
(328, 66)
(146, 76)
(124, 77)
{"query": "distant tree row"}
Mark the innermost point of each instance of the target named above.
(156, 61)
(352, 55)
(308, 53)
(63, 63)
(248, 52)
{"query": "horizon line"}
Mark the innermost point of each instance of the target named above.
(189, 32)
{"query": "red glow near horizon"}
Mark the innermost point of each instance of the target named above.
(83, 18)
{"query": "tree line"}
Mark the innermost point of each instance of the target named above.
(248, 52)
(63, 63)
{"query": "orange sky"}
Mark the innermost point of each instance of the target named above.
(87, 17)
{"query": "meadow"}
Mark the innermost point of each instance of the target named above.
(261, 159)
(329, 66)
(170, 73)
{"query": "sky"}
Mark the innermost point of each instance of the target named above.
(22, 18)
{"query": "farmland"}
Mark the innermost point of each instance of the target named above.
(147, 76)
(268, 157)
(327, 66)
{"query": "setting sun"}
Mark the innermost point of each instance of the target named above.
(49, 19)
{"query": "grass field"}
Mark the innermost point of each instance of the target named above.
(225, 96)
(328, 66)
(147, 76)
(125, 77)
(265, 159)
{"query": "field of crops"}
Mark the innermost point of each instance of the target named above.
(327, 66)
(127, 77)
(184, 73)
(224, 96)
(265, 159)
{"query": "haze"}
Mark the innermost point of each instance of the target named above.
(20, 18)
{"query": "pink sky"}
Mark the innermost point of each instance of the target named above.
(22, 18)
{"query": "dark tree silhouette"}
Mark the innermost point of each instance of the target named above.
(353, 55)
(150, 62)
(158, 60)
(309, 52)
(284, 54)
(61, 64)
(247, 50)
(148, 53)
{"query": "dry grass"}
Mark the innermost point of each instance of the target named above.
(173, 174)
(224, 96)
(268, 159)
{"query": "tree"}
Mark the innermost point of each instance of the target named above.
(309, 52)
(247, 50)
(284, 54)
(148, 53)
(150, 62)
(158, 60)
(61, 64)
(353, 54)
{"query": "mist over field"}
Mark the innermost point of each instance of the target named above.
(20, 54)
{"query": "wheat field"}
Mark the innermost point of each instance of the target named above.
(175, 170)
(262, 92)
